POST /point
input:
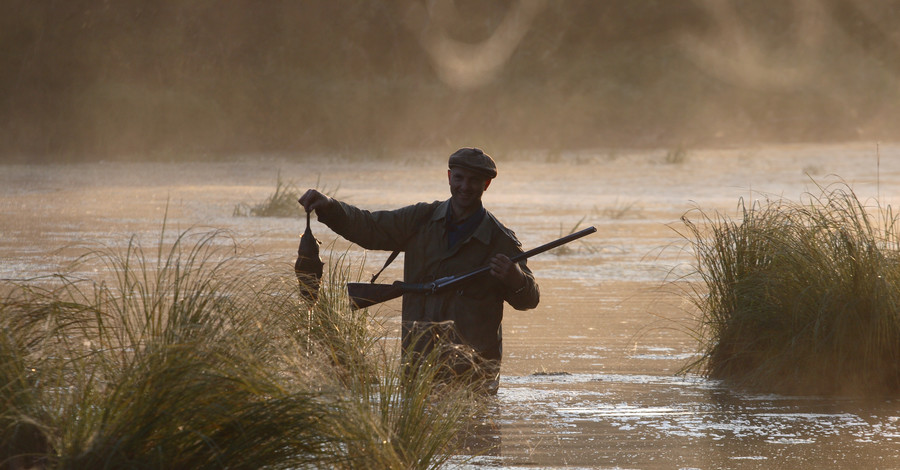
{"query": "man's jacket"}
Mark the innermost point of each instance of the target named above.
(419, 230)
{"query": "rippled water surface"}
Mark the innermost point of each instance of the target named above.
(590, 377)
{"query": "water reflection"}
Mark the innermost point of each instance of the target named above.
(483, 435)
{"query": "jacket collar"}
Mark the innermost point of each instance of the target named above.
(482, 232)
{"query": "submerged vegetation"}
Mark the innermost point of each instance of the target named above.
(198, 357)
(800, 297)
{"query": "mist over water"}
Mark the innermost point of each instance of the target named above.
(171, 80)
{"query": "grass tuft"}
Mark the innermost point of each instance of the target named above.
(568, 250)
(676, 155)
(620, 210)
(194, 356)
(800, 297)
(281, 203)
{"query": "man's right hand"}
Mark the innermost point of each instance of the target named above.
(313, 200)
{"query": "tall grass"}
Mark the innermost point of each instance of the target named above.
(800, 297)
(195, 356)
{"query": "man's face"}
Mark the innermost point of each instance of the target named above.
(466, 188)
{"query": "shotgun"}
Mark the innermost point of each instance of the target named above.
(365, 294)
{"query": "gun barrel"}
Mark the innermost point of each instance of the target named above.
(555, 243)
(448, 281)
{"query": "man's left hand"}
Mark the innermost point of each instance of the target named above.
(508, 272)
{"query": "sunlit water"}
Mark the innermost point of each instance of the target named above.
(591, 377)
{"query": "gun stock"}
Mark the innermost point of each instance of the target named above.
(366, 294)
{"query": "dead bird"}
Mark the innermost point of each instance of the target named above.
(308, 266)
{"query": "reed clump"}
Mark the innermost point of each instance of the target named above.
(800, 297)
(196, 356)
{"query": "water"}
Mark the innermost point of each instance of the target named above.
(613, 399)
(653, 421)
(591, 377)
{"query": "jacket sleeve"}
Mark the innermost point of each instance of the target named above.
(377, 230)
(528, 296)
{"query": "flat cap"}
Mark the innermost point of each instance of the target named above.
(474, 159)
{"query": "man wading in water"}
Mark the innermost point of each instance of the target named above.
(444, 239)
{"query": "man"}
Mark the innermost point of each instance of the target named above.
(446, 238)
